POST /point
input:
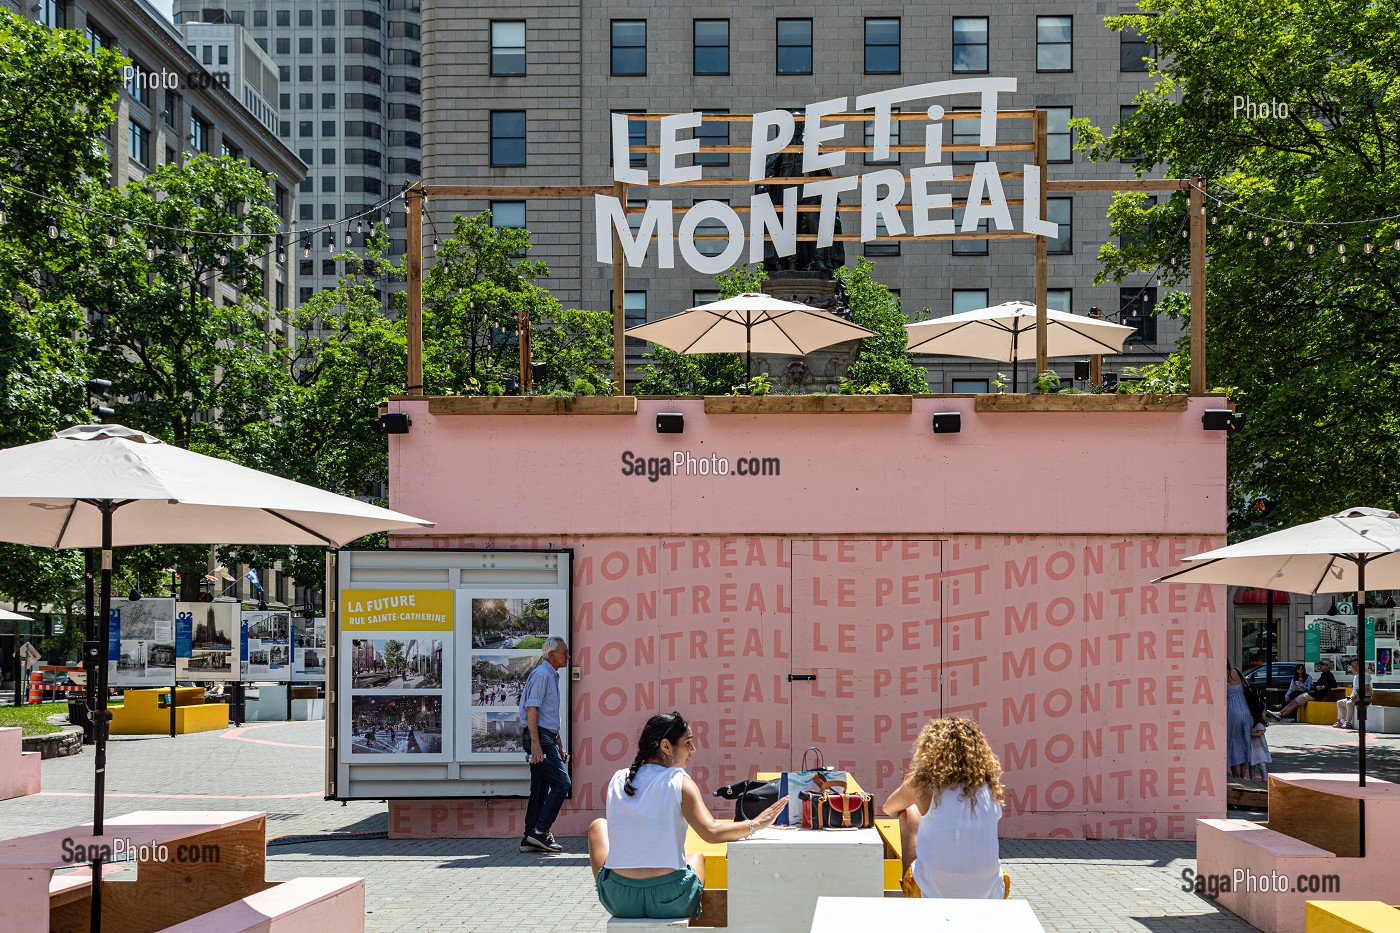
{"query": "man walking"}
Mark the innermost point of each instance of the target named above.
(549, 781)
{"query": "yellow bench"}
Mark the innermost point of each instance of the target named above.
(1352, 917)
(142, 713)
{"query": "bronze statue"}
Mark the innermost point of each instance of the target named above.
(809, 258)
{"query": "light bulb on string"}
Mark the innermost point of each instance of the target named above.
(52, 226)
(1342, 248)
(1366, 246)
(1249, 234)
(111, 239)
(1185, 232)
(1290, 239)
(150, 251)
(1397, 242)
(1214, 219)
(2, 212)
(360, 227)
(347, 234)
(435, 246)
(1312, 247)
(306, 248)
(184, 252)
(1230, 227)
(1267, 237)
(223, 256)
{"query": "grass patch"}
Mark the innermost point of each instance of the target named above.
(32, 719)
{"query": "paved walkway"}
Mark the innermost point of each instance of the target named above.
(485, 886)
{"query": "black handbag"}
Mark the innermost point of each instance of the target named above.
(750, 797)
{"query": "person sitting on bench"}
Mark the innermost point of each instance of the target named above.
(1315, 690)
(637, 852)
(948, 808)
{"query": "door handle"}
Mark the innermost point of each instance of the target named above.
(792, 677)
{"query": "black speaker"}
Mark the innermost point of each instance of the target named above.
(392, 422)
(1081, 369)
(947, 422)
(670, 422)
(1222, 419)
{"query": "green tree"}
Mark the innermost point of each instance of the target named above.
(1304, 337)
(393, 654)
(881, 365)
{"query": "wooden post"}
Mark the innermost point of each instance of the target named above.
(1042, 272)
(1197, 201)
(619, 300)
(414, 202)
(523, 340)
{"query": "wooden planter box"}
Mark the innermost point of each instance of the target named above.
(532, 405)
(807, 404)
(1081, 403)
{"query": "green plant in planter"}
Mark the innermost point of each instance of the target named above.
(495, 388)
(584, 386)
(1001, 382)
(758, 385)
(1047, 382)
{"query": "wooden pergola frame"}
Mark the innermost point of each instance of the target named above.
(1037, 147)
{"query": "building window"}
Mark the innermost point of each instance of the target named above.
(969, 299)
(711, 227)
(306, 73)
(328, 17)
(206, 54)
(306, 101)
(259, 18)
(52, 14)
(198, 135)
(284, 101)
(634, 312)
(223, 55)
(1133, 50)
(284, 46)
(794, 46)
(629, 46)
(172, 103)
(328, 129)
(967, 133)
(1060, 211)
(508, 48)
(711, 47)
(306, 212)
(304, 18)
(284, 72)
(881, 246)
(703, 298)
(139, 143)
(1127, 112)
(894, 141)
(636, 136)
(713, 133)
(1059, 140)
(881, 46)
(1054, 43)
(508, 215)
(971, 386)
(1135, 309)
(327, 72)
(370, 47)
(327, 157)
(284, 17)
(327, 45)
(968, 247)
(507, 137)
(1060, 299)
(138, 85)
(327, 184)
(969, 43)
(328, 211)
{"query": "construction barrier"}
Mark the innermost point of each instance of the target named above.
(36, 684)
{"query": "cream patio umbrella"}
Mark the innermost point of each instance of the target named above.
(105, 485)
(1341, 553)
(995, 334)
(750, 322)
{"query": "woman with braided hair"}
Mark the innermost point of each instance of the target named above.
(948, 808)
(638, 851)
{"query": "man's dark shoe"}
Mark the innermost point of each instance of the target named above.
(532, 843)
(544, 842)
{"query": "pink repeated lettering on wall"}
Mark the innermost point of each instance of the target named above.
(1099, 691)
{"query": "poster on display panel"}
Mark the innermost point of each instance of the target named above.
(141, 652)
(268, 652)
(308, 649)
(208, 642)
(432, 674)
(1335, 638)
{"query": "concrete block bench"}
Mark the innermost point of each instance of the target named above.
(908, 915)
(19, 770)
(142, 712)
(1352, 917)
(290, 907)
(650, 926)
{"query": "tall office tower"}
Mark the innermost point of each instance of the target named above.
(522, 94)
(348, 105)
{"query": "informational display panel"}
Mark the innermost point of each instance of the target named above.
(1335, 638)
(268, 656)
(429, 654)
(141, 652)
(308, 649)
(208, 642)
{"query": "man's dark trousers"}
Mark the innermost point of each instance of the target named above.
(549, 783)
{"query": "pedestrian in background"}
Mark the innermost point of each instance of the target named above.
(549, 780)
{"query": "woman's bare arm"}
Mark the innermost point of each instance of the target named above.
(711, 830)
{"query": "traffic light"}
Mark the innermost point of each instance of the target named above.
(1263, 505)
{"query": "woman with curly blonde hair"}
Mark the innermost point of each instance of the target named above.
(948, 808)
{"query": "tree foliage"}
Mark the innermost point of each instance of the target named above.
(1303, 336)
(882, 365)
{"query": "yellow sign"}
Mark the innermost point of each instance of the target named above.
(396, 610)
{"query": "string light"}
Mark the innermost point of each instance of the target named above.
(1342, 248)
(1266, 238)
(281, 249)
(1397, 242)
(306, 248)
(111, 239)
(1312, 247)
(1366, 247)
(53, 228)
(1230, 226)
(1249, 234)
(150, 250)
(347, 234)
(1290, 240)
(435, 246)
(2, 212)
(184, 252)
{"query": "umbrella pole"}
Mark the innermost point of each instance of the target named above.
(748, 354)
(1015, 338)
(99, 713)
(1364, 700)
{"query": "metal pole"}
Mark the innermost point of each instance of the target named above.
(619, 270)
(1042, 270)
(1197, 202)
(1364, 700)
(99, 713)
(1268, 643)
(414, 246)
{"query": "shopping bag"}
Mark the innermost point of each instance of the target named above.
(814, 780)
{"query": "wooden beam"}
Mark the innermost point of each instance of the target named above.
(852, 117)
(414, 250)
(619, 264)
(1120, 184)
(1042, 265)
(902, 147)
(793, 180)
(517, 192)
(814, 209)
(1196, 200)
(1008, 403)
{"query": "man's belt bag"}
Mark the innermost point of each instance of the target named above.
(839, 811)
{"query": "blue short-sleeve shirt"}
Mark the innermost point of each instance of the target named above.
(541, 691)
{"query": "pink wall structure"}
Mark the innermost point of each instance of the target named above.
(1001, 574)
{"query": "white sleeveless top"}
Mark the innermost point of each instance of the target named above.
(956, 852)
(647, 829)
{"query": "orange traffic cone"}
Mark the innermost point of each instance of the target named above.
(36, 680)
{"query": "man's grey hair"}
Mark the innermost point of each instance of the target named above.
(551, 644)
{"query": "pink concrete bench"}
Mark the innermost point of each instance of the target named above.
(1322, 828)
(19, 770)
(291, 907)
